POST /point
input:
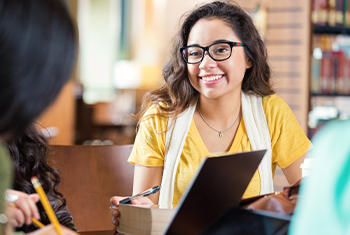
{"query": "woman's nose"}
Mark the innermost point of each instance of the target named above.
(207, 62)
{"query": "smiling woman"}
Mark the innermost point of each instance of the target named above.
(219, 76)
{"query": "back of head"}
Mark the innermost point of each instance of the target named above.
(37, 53)
(30, 155)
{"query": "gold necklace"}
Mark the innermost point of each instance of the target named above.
(220, 132)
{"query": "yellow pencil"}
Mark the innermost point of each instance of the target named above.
(46, 204)
(35, 221)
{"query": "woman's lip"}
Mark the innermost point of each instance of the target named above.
(211, 82)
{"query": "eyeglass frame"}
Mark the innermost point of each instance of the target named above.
(206, 49)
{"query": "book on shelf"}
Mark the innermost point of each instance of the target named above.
(346, 89)
(326, 73)
(330, 75)
(346, 13)
(334, 13)
(339, 13)
(315, 76)
(339, 69)
(142, 220)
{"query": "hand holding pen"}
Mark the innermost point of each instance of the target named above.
(146, 193)
(143, 199)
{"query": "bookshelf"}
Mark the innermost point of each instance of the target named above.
(330, 63)
(325, 29)
(328, 95)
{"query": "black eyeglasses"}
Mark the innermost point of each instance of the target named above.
(218, 51)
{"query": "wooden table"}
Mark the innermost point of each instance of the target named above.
(109, 232)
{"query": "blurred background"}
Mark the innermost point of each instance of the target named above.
(124, 44)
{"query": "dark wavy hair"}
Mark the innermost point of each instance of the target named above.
(177, 92)
(30, 154)
(37, 54)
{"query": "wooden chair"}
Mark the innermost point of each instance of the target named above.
(90, 176)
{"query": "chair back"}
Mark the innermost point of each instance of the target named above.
(90, 176)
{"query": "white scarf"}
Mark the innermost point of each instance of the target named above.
(258, 134)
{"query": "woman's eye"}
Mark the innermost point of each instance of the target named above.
(221, 50)
(194, 53)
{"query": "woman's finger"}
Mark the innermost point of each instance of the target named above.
(116, 199)
(115, 221)
(23, 205)
(142, 201)
(17, 217)
(115, 212)
(32, 200)
(35, 197)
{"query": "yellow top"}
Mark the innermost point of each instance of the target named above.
(288, 143)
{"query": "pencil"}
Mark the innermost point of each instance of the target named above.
(35, 221)
(46, 204)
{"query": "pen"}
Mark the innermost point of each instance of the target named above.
(148, 192)
(46, 204)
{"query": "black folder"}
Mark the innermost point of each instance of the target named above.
(218, 185)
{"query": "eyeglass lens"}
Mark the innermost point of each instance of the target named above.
(220, 51)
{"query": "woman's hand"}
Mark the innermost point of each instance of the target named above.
(25, 208)
(50, 230)
(115, 202)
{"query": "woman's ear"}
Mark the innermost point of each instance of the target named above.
(249, 64)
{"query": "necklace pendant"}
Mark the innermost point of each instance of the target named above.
(221, 135)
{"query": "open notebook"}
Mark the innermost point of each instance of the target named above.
(218, 185)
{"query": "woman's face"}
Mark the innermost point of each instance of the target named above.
(216, 79)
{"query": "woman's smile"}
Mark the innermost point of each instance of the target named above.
(211, 79)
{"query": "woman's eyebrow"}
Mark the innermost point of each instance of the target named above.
(220, 40)
(216, 41)
(195, 44)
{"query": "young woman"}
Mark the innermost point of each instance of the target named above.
(37, 54)
(30, 154)
(218, 75)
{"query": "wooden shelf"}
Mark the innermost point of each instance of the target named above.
(330, 95)
(331, 30)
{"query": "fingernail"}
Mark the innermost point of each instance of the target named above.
(135, 201)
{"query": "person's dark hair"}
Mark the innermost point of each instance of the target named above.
(30, 154)
(177, 92)
(37, 53)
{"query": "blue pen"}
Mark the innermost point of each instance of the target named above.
(148, 192)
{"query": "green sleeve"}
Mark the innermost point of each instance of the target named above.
(5, 177)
